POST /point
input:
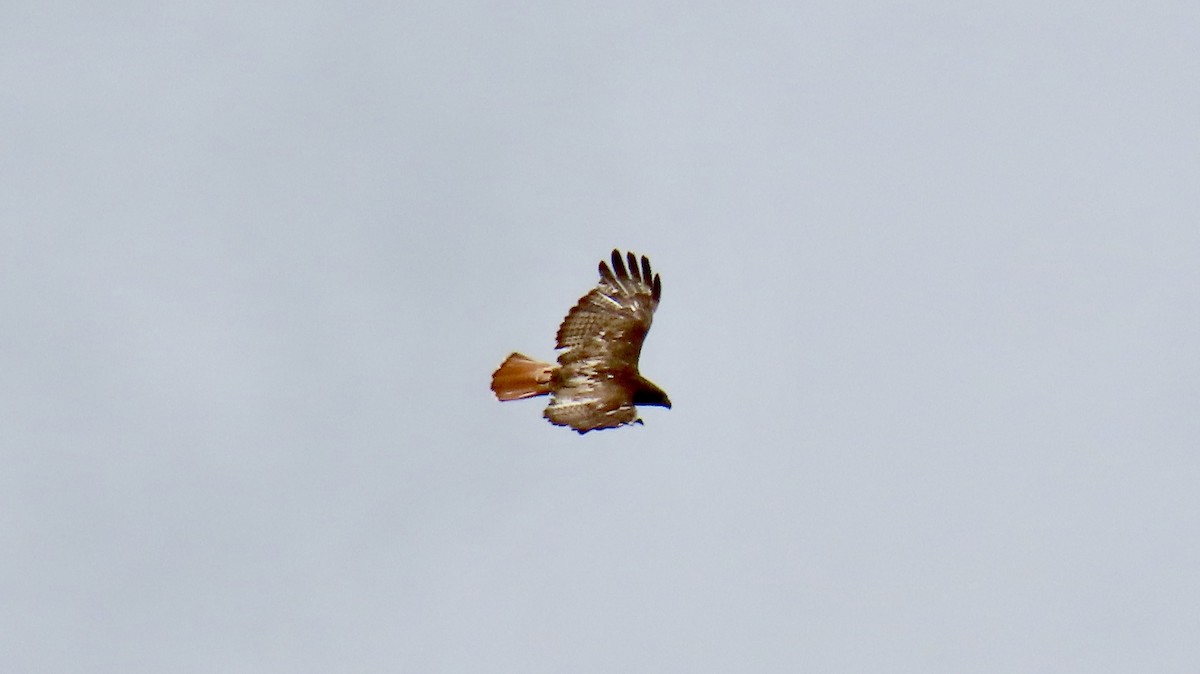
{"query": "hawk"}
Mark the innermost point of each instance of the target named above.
(596, 383)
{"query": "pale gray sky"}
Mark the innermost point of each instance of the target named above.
(930, 323)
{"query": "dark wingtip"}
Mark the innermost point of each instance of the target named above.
(619, 265)
(633, 267)
(628, 267)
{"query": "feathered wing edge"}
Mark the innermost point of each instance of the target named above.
(630, 294)
(634, 281)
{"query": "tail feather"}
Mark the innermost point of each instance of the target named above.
(520, 376)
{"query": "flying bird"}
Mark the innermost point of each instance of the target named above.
(596, 383)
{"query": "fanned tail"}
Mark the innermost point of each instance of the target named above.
(520, 376)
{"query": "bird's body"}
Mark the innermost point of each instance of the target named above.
(596, 383)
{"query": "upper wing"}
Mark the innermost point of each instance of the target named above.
(603, 337)
(613, 318)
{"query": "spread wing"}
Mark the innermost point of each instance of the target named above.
(603, 337)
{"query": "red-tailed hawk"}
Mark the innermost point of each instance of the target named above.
(596, 382)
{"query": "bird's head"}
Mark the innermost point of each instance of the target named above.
(649, 394)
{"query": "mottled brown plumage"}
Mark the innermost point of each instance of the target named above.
(596, 383)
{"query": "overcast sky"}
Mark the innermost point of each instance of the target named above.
(930, 325)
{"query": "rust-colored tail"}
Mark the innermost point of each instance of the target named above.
(521, 377)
